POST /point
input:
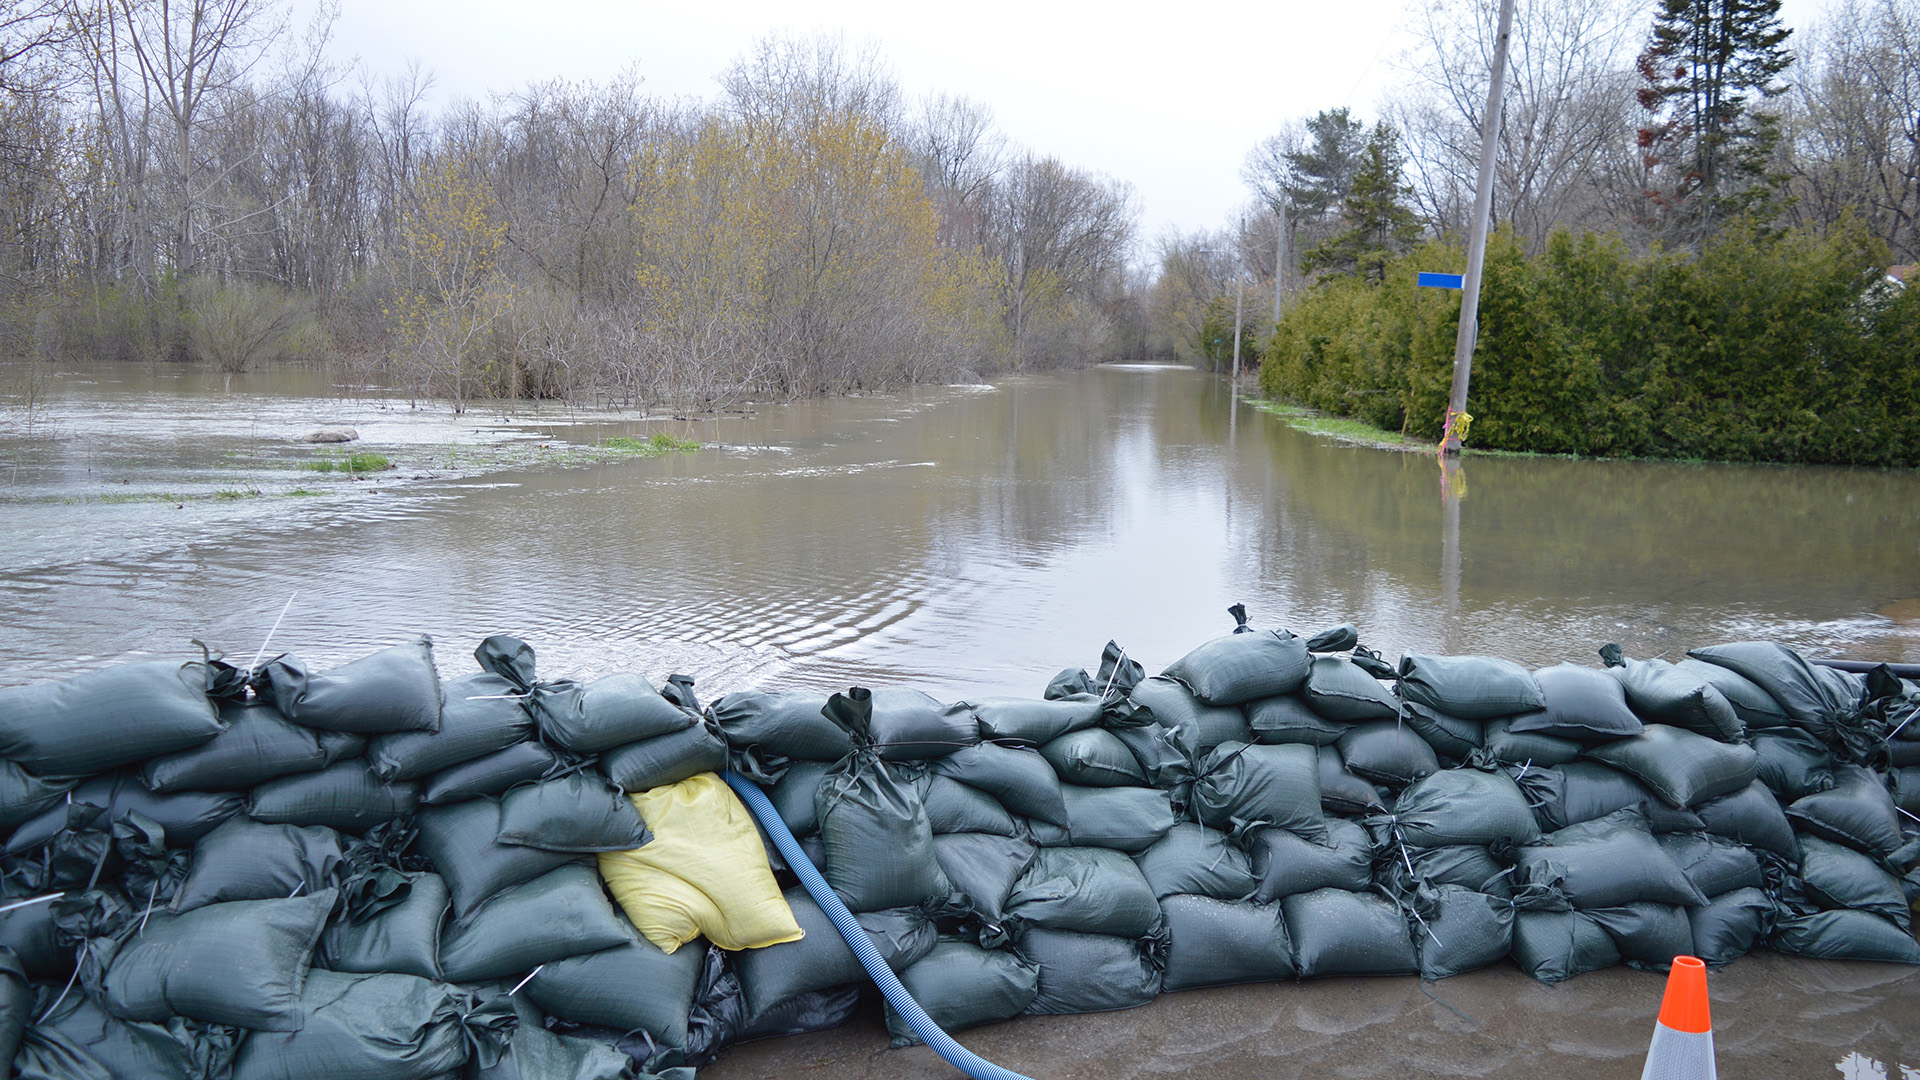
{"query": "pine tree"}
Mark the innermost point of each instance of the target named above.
(1379, 223)
(1706, 149)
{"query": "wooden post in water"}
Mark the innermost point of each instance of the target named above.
(1477, 242)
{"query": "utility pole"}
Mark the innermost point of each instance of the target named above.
(1477, 242)
(1239, 292)
(1279, 256)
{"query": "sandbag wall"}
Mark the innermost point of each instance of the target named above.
(368, 871)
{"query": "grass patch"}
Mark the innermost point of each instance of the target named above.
(232, 494)
(1314, 422)
(302, 493)
(357, 462)
(659, 444)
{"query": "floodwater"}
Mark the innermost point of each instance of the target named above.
(972, 540)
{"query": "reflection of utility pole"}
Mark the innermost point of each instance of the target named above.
(1477, 242)
(1453, 488)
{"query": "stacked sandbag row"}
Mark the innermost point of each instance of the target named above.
(289, 873)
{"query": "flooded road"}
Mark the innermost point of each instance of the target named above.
(960, 539)
(969, 540)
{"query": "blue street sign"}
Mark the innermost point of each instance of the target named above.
(1441, 281)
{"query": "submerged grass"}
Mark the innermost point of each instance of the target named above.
(659, 444)
(1361, 433)
(360, 461)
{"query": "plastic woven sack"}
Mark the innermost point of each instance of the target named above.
(479, 716)
(241, 963)
(554, 916)
(490, 775)
(395, 1027)
(1020, 779)
(1240, 667)
(107, 718)
(1450, 736)
(80, 1041)
(1730, 925)
(1287, 719)
(1681, 766)
(1648, 935)
(1579, 791)
(1755, 708)
(1714, 865)
(1033, 722)
(1129, 819)
(907, 725)
(1336, 932)
(816, 961)
(1197, 726)
(247, 860)
(1660, 693)
(462, 840)
(706, 872)
(1469, 687)
(983, 868)
(1286, 864)
(1793, 763)
(1387, 752)
(629, 987)
(346, 796)
(185, 816)
(1215, 942)
(1836, 876)
(1341, 790)
(1090, 890)
(1194, 859)
(667, 759)
(1583, 704)
(1456, 930)
(1553, 946)
(962, 986)
(401, 934)
(1818, 699)
(1273, 785)
(1857, 811)
(953, 807)
(1844, 935)
(258, 745)
(1464, 806)
(1606, 862)
(588, 718)
(395, 689)
(579, 812)
(1084, 973)
(1752, 817)
(785, 723)
(1338, 689)
(1508, 747)
(1092, 757)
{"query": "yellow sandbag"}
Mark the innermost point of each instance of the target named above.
(704, 873)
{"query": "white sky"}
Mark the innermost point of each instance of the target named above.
(1168, 98)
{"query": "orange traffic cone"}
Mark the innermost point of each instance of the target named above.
(1682, 1046)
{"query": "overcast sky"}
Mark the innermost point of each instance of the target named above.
(1167, 98)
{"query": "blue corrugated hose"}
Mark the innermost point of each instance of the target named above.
(962, 1058)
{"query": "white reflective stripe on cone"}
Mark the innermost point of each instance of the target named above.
(1679, 1055)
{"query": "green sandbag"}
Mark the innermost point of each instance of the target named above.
(962, 985)
(820, 959)
(1752, 817)
(1523, 748)
(792, 795)
(482, 715)
(1092, 757)
(579, 812)
(1714, 865)
(1194, 859)
(242, 963)
(1606, 862)
(1754, 707)
(394, 1027)
(395, 689)
(1857, 811)
(1836, 876)
(1089, 890)
(1086, 973)
(1819, 699)
(1661, 693)
(1285, 864)
(1020, 779)
(632, 986)
(1464, 806)
(1449, 736)
(1340, 690)
(245, 859)
(560, 914)
(1469, 687)
(1844, 935)
(16, 1003)
(953, 807)
(534, 1053)
(462, 841)
(1286, 719)
(185, 816)
(1793, 763)
(1457, 930)
(1579, 791)
(107, 718)
(1242, 667)
(667, 759)
(490, 775)
(1274, 785)
(1730, 925)
(1157, 750)
(1218, 943)
(1387, 753)
(1553, 946)
(588, 718)
(1583, 704)
(258, 745)
(81, 1041)
(24, 796)
(1342, 791)
(983, 867)
(1906, 789)
(787, 724)
(877, 834)
(1197, 726)
(29, 932)
(346, 796)
(1648, 935)
(1336, 932)
(1681, 766)
(1129, 819)
(908, 725)
(403, 937)
(1034, 723)
(1469, 866)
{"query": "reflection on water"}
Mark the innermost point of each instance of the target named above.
(964, 540)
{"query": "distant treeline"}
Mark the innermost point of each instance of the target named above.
(190, 182)
(1767, 346)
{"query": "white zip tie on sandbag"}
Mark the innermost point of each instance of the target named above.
(525, 981)
(28, 903)
(271, 632)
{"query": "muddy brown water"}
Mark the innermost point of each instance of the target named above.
(972, 540)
